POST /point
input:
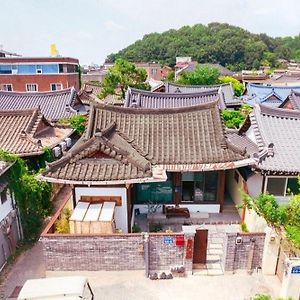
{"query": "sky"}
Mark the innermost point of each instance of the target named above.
(91, 29)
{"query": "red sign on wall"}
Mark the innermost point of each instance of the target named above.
(180, 240)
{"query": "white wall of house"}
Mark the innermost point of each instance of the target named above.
(6, 207)
(291, 281)
(254, 184)
(120, 211)
(234, 187)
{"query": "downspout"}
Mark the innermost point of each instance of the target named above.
(146, 253)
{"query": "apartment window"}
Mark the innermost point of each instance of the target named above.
(39, 69)
(282, 186)
(7, 87)
(56, 86)
(31, 87)
(3, 196)
(153, 72)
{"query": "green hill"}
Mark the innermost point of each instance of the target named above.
(231, 46)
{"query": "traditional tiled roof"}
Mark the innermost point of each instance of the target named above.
(53, 105)
(292, 101)
(90, 93)
(225, 91)
(276, 133)
(128, 143)
(27, 133)
(271, 96)
(144, 99)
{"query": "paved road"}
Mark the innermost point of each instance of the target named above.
(132, 285)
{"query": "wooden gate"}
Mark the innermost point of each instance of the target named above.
(200, 246)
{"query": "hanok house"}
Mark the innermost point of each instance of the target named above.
(268, 95)
(136, 157)
(143, 99)
(27, 133)
(10, 225)
(276, 133)
(292, 101)
(225, 91)
(53, 105)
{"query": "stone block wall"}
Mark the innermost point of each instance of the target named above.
(246, 255)
(93, 253)
(110, 252)
(163, 256)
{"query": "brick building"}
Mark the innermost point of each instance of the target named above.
(38, 74)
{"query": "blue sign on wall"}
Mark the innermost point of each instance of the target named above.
(296, 270)
(168, 240)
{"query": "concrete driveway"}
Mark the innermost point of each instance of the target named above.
(133, 284)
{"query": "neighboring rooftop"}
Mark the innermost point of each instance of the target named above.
(145, 99)
(292, 101)
(128, 143)
(27, 132)
(276, 133)
(53, 105)
(225, 90)
(89, 93)
(268, 95)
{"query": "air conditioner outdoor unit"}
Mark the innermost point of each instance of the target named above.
(57, 151)
(63, 146)
(68, 142)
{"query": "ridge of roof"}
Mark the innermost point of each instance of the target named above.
(197, 85)
(279, 112)
(47, 93)
(282, 87)
(176, 95)
(173, 110)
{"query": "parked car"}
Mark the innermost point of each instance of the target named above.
(71, 288)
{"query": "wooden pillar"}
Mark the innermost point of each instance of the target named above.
(177, 188)
(221, 188)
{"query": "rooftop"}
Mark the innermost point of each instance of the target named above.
(27, 132)
(53, 105)
(268, 95)
(225, 91)
(145, 99)
(126, 143)
(276, 133)
(293, 99)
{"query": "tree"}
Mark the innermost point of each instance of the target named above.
(238, 87)
(202, 75)
(121, 75)
(234, 118)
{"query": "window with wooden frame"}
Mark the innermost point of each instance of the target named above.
(102, 199)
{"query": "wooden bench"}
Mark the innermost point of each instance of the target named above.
(172, 211)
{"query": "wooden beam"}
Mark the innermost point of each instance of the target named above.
(177, 188)
(221, 188)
